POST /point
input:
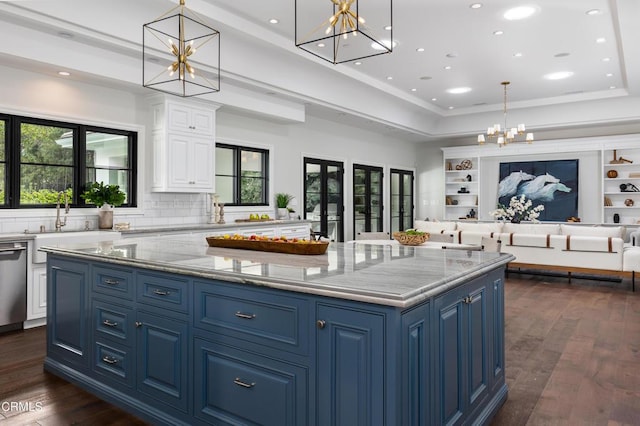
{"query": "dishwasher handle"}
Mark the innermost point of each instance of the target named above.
(12, 249)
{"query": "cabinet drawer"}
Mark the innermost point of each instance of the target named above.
(113, 321)
(164, 291)
(115, 362)
(235, 387)
(113, 281)
(274, 320)
(302, 231)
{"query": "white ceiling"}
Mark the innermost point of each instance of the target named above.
(560, 36)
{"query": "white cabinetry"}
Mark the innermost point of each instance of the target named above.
(621, 185)
(183, 146)
(461, 188)
(37, 294)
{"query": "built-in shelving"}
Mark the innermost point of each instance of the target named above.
(621, 167)
(461, 188)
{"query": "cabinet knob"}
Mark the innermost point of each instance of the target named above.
(321, 324)
(138, 324)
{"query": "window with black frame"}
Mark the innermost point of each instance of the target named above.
(242, 175)
(39, 159)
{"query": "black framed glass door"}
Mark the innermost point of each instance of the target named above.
(367, 199)
(401, 200)
(324, 198)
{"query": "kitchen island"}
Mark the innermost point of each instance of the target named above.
(177, 332)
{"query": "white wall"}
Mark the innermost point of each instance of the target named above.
(47, 96)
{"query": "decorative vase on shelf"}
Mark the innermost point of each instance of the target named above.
(282, 213)
(105, 217)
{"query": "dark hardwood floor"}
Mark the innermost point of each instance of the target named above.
(572, 358)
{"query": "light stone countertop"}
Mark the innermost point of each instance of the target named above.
(392, 275)
(213, 227)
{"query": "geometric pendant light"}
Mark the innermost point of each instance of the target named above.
(344, 30)
(181, 54)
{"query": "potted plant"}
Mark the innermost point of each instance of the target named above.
(104, 197)
(282, 201)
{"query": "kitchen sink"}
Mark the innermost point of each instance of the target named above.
(56, 239)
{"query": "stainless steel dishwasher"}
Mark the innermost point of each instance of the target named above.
(13, 285)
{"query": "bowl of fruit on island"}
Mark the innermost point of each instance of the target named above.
(411, 237)
(274, 244)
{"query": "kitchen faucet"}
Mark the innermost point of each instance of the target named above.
(59, 222)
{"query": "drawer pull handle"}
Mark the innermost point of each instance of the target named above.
(160, 292)
(245, 316)
(238, 381)
(109, 323)
(111, 282)
(109, 360)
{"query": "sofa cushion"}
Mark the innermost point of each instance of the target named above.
(593, 231)
(531, 228)
(434, 227)
(479, 227)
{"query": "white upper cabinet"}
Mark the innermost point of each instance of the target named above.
(183, 149)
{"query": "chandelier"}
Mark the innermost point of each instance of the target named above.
(181, 54)
(505, 135)
(345, 35)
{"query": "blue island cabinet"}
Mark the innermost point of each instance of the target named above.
(176, 348)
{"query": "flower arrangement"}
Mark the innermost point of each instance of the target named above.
(519, 208)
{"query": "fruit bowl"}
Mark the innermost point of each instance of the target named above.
(411, 238)
(277, 245)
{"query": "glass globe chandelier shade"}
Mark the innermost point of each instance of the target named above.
(181, 54)
(344, 30)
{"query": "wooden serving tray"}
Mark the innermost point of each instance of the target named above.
(254, 220)
(312, 247)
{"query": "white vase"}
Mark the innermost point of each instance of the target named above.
(282, 213)
(105, 217)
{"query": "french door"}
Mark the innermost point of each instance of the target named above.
(324, 198)
(401, 200)
(367, 199)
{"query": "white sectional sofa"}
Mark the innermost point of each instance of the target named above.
(571, 248)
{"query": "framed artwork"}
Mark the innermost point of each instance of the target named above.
(553, 184)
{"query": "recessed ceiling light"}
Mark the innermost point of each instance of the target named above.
(420, 49)
(426, 77)
(64, 73)
(459, 90)
(320, 44)
(451, 107)
(414, 90)
(601, 40)
(388, 27)
(606, 59)
(520, 12)
(389, 78)
(612, 87)
(517, 55)
(357, 63)
(593, 12)
(561, 54)
(475, 5)
(498, 32)
(434, 99)
(558, 75)
(448, 67)
(609, 74)
(273, 21)
(386, 43)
